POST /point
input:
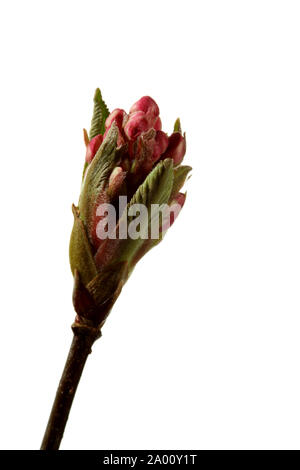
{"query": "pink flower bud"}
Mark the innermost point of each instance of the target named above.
(116, 179)
(176, 148)
(136, 124)
(157, 125)
(175, 207)
(148, 106)
(178, 202)
(160, 146)
(92, 147)
(179, 199)
(117, 115)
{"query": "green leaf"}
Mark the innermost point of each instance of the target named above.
(81, 257)
(180, 174)
(97, 173)
(85, 137)
(104, 290)
(177, 126)
(100, 114)
(106, 284)
(156, 189)
(94, 301)
(84, 169)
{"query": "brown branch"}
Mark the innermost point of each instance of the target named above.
(83, 339)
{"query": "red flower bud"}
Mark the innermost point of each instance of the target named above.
(176, 148)
(117, 115)
(160, 146)
(92, 147)
(116, 180)
(178, 200)
(157, 124)
(149, 107)
(136, 124)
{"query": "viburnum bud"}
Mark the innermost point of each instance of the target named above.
(148, 106)
(136, 124)
(127, 156)
(118, 116)
(158, 125)
(116, 180)
(176, 148)
(92, 147)
(161, 145)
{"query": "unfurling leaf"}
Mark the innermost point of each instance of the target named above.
(100, 115)
(81, 257)
(177, 126)
(98, 174)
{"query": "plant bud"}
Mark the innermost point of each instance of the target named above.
(176, 148)
(126, 155)
(92, 147)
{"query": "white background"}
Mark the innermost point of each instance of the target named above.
(202, 348)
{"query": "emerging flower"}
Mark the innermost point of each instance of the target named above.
(127, 156)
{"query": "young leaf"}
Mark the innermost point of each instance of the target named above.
(98, 173)
(156, 189)
(99, 115)
(177, 126)
(81, 258)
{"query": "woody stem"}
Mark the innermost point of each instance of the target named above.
(80, 349)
